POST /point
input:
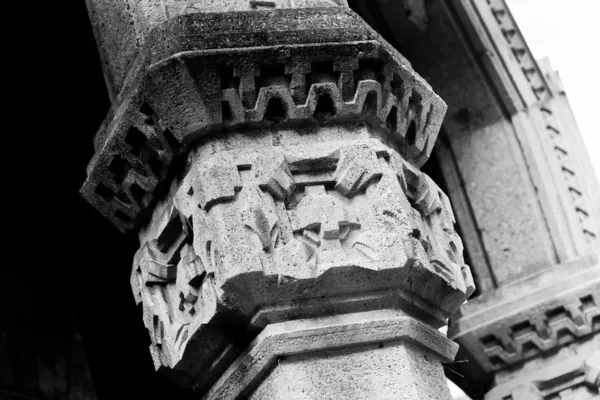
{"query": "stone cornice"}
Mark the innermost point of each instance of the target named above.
(547, 311)
(173, 101)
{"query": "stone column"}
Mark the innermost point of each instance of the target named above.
(534, 332)
(524, 193)
(267, 155)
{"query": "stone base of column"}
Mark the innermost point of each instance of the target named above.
(371, 355)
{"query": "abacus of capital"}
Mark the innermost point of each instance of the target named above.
(267, 156)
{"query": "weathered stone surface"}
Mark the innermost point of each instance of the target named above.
(240, 88)
(520, 323)
(511, 160)
(382, 355)
(571, 373)
(270, 164)
(563, 223)
(574, 173)
(484, 159)
(265, 227)
(123, 27)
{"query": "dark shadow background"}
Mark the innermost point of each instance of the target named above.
(68, 269)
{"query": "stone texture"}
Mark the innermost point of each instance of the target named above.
(269, 162)
(356, 356)
(390, 371)
(579, 183)
(538, 315)
(123, 27)
(501, 217)
(519, 323)
(571, 373)
(548, 136)
(258, 228)
(318, 82)
(511, 159)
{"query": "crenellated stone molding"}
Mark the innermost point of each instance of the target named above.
(572, 373)
(546, 328)
(197, 92)
(531, 319)
(269, 162)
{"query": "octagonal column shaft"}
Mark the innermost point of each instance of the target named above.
(269, 163)
(371, 355)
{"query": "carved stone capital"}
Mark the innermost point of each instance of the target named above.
(269, 162)
(293, 223)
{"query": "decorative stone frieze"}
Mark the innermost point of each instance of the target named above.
(572, 373)
(189, 90)
(283, 216)
(269, 162)
(522, 321)
(549, 299)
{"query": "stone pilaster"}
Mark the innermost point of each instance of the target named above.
(269, 162)
(534, 335)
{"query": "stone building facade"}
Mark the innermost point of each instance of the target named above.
(317, 186)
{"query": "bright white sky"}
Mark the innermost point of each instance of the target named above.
(568, 33)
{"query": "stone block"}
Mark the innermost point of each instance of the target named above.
(381, 355)
(571, 373)
(519, 323)
(122, 27)
(168, 107)
(258, 256)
